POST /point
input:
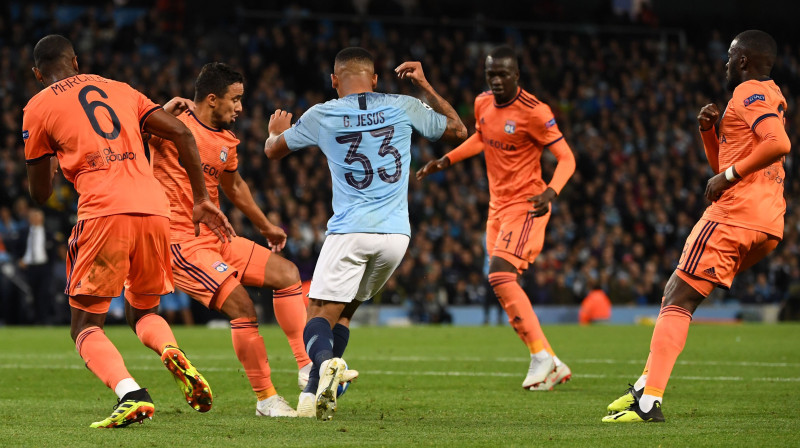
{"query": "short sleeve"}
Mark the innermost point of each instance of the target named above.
(750, 103)
(305, 132)
(37, 141)
(144, 107)
(429, 123)
(544, 129)
(232, 164)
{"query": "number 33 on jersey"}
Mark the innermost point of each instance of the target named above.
(367, 140)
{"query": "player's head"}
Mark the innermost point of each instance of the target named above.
(750, 56)
(54, 59)
(502, 73)
(219, 88)
(353, 71)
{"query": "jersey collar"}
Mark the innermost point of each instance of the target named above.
(519, 92)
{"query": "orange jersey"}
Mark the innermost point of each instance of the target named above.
(217, 150)
(514, 135)
(756, 202)
(93, 125)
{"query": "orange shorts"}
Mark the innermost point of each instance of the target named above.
(201, 265)
(110, 252)
(515, 235)
(716, 252)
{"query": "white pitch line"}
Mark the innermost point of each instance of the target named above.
(419, 373)
(440, 359)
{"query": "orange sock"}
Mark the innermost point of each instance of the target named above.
(101, 357)
(669, 338)
(520, 311)
(250, 349)
(290, 313)
(154, 332)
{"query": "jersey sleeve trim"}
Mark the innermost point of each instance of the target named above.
(554, 141)
(759, 119)
(230, 171)
(147, 114)
(39, 159)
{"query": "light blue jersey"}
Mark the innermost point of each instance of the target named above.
(367, 140)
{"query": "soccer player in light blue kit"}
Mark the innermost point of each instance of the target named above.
(366, 137)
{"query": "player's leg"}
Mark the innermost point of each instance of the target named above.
(264, 269)
(150, 276)
(518, 238)
(97, 264)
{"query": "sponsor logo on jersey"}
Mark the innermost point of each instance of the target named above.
(501, 145)
(550, 123)
(753, 99)
(220, 266)
(95, 160)
(510, 126)
(223, 154)
(710, 272)
(25, 135)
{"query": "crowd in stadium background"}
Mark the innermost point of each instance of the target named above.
(626, 103)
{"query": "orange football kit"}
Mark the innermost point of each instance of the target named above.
(201, 265)
(92, 124)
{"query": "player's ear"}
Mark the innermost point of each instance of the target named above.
(374, 80)
(38, 75)
(75, 63)
(334, 81)
(212, 99)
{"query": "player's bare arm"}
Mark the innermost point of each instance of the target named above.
(455, 132)
(166, 126)
(708, 117)
(237, 190)
(275, 147)
(178, 105)
(40, 178)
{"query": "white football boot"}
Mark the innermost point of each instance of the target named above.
(330, 375)
(306, 405)
(560, 375)
(274, 406)
(542, 364)
(302, 375)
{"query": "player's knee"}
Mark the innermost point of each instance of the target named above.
(281, 273)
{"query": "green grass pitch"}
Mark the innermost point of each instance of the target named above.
(736, 385)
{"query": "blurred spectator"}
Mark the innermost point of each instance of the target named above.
(35, 264)
(176, 306)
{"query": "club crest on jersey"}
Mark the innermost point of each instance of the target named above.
(753, 99)
(223, 154)
(220, 266)
(510, 126)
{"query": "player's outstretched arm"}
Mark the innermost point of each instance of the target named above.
(455, 132)
(237, 190)
(40, 178)
(275, 147)
(166, 126)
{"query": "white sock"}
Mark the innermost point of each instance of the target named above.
(639, 384)
(647, 401)
(540, 356)
(125, 386)
(557, 361)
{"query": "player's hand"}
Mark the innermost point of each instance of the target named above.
(275, 236)
(411, 70)
(541, 202)
(178, 105)
(708, 116)
(434, 166)
(717, 185)
(279, 122)
(207, 213)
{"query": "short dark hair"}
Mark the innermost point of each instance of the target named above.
(215, 77)
(759, 43)
(52, 49)
(502, 52)
(354, 54)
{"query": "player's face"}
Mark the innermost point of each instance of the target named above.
(502, 75)
(228, 107)
(733, 73)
